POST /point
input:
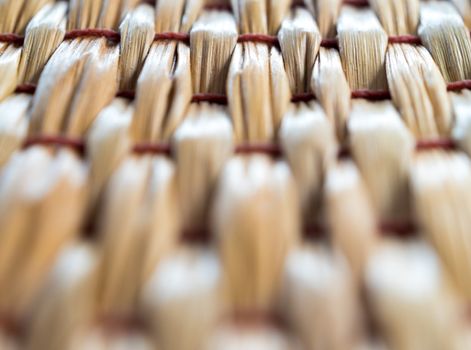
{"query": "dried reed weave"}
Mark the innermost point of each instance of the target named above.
(256, 174)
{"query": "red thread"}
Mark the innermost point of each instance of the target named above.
(218, 7)
(459, 85)
(398, 228)
(56, 140)
(109, 34)
(357, 3)
(152, 148)
(115, 36)
(344, 152)
(26, 89)
(258, 38)
(209, 97)
(331, 43)
(271, 149)
(444, 144)
(182, 37)
(224, 6)
(12, 38)
(303, 97)
(196, 235)
(405, 39)
(93, 33)
(127, 94)
(298, 3)
(314, 231)
(372, 95)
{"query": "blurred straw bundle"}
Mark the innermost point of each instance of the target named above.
(248, 174)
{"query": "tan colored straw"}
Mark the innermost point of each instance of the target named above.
(235, 174)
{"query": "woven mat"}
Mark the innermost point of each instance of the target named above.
(256, 174)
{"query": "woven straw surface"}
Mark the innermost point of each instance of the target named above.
(256, 174)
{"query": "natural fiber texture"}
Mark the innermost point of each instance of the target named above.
(240, 174)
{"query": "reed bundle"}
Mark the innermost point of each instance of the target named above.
(243, 174)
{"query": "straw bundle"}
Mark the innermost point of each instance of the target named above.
(422, 292)
(189, 281)
(317, 283)
(44, 33)
(330, 87)
(308, 143)
(14, 125)
(256, 224)
(9, 62)
(243, 174)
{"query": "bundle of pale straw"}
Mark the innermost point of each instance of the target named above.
(249, 174)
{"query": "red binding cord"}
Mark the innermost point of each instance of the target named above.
(398, 228)
(357, 3)
(219, 99)
(372, 95)
(303, 97)
(258, 38)
(182, 37)
(114, 36)
(93, 33)
(12, 38)
(316, 231)
(152, 148)
(271, 149)
(444, 144)
(459, 85)
(405, 39)
(127, 94)
(56, 140)
(185, 37)
(29, 89)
